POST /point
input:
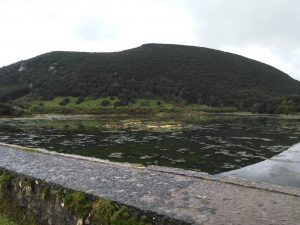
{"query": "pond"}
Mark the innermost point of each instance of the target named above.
(208, 143)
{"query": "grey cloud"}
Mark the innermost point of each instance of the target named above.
(270, 24)
(246, 22)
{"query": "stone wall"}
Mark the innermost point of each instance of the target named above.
(30, 201)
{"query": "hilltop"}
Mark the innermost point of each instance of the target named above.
(172, 73)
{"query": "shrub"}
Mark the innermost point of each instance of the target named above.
(7, 110)
(64, 102)
(121, 103)
(80, 100)
(105, 103)
(145, 103)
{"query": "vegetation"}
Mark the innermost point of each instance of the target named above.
(106, 212)
(286, 105)
(82, 206)
(7, 110)
(95, 105)
(45, 193)
(78, 203)
(182, 75)
(5, 180)
(5, 221)
(9, 209)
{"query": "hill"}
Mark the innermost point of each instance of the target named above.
(173, 73)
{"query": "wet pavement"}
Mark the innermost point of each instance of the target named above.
(282, 169)
(194, 197)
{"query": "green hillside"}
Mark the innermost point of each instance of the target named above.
(171, 73)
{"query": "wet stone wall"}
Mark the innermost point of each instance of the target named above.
(30, 201)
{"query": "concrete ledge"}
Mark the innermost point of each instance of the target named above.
(179, 195)
(28, 200)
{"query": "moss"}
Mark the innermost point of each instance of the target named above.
(45, 193)
(123, 217)
(78, 203)
(102, 212)
(5, 180)
(5, 221)
(106, 212)
(11, 208)
(59, 194)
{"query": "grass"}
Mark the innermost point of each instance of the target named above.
(210, 109)
(72, 105)
(5, 221)
(93, 106)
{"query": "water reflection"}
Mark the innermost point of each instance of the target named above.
(282, 169)
(212, 144)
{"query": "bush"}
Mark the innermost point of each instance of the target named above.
(105, 103)
(64, 102)
(145, 103)
(80, 100)
(7, 110)
(121, 103)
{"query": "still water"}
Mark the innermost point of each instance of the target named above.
(212, 144)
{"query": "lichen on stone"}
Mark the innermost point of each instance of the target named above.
(26, 185)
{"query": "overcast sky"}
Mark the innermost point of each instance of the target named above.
(265, 30)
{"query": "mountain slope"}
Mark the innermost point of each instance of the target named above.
(175, 73)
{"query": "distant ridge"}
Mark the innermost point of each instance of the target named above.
(176, 73)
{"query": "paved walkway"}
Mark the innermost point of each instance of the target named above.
(190, 196)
